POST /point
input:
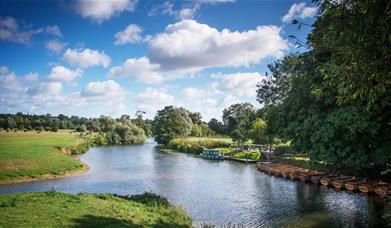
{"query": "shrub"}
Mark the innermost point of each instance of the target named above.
(281, 150)
(151, 199)
(189, 145)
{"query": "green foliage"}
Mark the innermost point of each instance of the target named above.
(195, 145)
(151, 199)
(170, 123)
(282, 150)
(333, 101)
(257, 131)
(56, 209)
(356, 38)
(216, 126)
(248, 155)
(237, 120)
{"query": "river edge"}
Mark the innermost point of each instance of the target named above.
(25, 179)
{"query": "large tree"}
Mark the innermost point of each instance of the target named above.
(171, 122)
(237, 120)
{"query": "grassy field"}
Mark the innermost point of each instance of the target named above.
(25, 155)
(55, 209)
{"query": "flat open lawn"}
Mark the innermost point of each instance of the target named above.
(32, 154)
(55, 209)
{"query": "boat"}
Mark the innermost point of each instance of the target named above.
(316, 179)
(212, 154)
(353, 185)
(307, 176)
(326, 181)
(383, 191)
(341, 182)
(369, 187)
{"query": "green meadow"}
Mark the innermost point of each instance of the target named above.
(26, 155)
(55, 209)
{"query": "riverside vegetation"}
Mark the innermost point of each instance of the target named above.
(56, 209)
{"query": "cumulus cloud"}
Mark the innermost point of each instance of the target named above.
(13, 31)
(191, 46)
(187, 11)
(32, 77)
(63, 74)
(4, 70)
(153, 99)
(131, 34)
(102, 90)
(100, 11)
(85, 58)
(238, 84)
(55, 46)
(299, 10)
(192, 93)
(141, 69)
(45, 89)
(9, 81)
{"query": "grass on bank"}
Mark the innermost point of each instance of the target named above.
(31, 154)
(195, 145)
(251, 155)
(56, 209)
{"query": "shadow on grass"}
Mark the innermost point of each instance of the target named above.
(100, 221)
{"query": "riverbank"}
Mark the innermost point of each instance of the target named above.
(30, 156)
(56, 209)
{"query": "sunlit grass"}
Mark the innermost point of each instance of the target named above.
(32, 154)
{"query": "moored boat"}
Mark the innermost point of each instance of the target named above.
(369, 187)
(327, 181)
(353, 185)
(340, 183)
(383, 191)
(212, 154)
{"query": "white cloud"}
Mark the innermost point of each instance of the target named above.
(32, 77)
(299, 10)
(187, 13)
(4, 70)
(106, 90)
(140, 68)
(45, 89)
(12, 31)
(53, 30)
(86, 58)
(238, 84)
(192, 93)
(190, 46)
(60, 73)
(153, 99)
(131, 34)
(55, 46)
(188, 10)
(100, 11)
(10, 82)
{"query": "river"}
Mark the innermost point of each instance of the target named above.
(213, 191)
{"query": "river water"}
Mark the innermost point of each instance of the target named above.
(214, 192)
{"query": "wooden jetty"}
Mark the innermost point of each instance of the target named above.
(339, 182)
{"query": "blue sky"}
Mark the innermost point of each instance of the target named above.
(94, 58)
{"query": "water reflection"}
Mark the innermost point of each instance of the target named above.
(212, 191)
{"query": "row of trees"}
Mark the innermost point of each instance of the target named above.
(172, 122)
(334, 100)
(123, 130)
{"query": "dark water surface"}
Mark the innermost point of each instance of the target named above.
(215, 192)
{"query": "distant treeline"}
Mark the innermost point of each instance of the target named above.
(123, 130)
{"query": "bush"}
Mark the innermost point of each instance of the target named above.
(151, 199)
(189, 145)
(281, 150)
